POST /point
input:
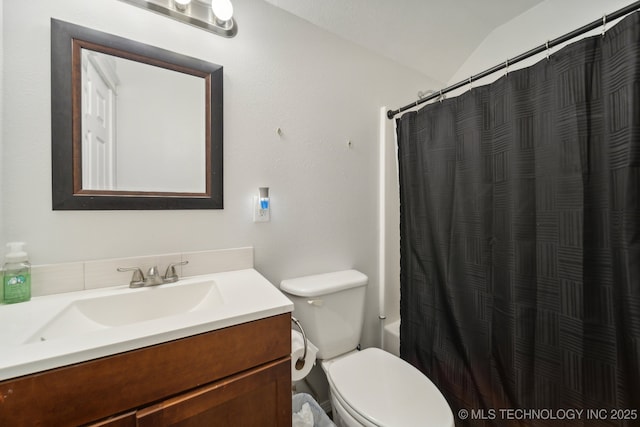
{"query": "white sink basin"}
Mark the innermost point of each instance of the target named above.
(129, 307)
(58, 330)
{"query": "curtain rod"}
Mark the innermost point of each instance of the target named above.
(575, 33)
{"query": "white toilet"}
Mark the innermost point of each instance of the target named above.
(371, 387)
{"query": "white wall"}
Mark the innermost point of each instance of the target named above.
(279, 71)
(546, 21)
(389, 221)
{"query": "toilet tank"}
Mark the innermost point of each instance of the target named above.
(330, 308)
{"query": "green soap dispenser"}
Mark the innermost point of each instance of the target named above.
(16, 281)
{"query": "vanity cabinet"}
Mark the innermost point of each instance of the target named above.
(236, 376)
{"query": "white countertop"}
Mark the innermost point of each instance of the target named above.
(246, 296)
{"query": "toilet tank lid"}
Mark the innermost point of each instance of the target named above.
(322, 284)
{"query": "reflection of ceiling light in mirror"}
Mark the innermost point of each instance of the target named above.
(222, 9)
(181, 4)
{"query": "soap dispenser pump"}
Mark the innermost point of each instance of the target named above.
(16, 280)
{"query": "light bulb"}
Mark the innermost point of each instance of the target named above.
(222, 9)
(181, 4)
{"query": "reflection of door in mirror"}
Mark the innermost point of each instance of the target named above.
(99, 89)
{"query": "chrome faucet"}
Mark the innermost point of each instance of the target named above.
(153, 277)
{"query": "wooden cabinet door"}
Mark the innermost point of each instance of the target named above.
(259, 397)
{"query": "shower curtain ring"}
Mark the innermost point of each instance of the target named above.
(470, 83)
(547, 47)
(506, 67)
(604, 24)
(440, 96)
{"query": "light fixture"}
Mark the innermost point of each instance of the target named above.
(215, 16)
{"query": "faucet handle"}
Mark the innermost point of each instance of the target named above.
(137, 279)
(170, 275)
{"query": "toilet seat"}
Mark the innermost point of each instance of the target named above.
(387, 391)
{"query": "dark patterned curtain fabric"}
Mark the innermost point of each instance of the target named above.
(520, 240)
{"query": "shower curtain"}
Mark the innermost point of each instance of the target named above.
(520, 240)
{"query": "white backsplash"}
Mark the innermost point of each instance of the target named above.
(78, 276)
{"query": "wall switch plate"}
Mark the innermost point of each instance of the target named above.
(259, 214)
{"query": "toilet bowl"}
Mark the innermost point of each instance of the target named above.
(372, 387)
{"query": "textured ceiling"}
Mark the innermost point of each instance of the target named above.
(434, 37)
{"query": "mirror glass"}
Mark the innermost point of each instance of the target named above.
(133, 126)
(143, 127)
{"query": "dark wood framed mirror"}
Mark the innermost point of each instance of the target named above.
(133, 126)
